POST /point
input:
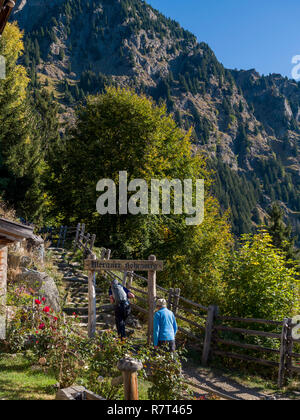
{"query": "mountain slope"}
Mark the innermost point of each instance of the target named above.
(247, 124)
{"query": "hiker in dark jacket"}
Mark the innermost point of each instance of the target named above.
(165, 326)
(119, 296)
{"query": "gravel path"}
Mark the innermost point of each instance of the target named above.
(222, 386)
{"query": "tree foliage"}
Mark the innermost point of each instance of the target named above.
(120, 130)
(28, 127)
(258, 282)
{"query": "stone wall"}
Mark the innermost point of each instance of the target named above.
(3, 288)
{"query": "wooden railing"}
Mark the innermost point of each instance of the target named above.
(84, 241)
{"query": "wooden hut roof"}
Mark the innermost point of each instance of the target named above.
(11, 232)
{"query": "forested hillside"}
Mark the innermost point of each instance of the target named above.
(247, 124)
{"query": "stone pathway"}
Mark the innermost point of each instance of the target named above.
(75, 283)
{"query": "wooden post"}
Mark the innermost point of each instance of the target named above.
(60, 236)
(212, 313)
(283, 351)
(129, 368)
(85, 253)
(170, 299)
(151, 300)
(64, 236)
(77, 236)
(81, 235)
(92, 243)
(290, 346)
(176, 300)
(108, 254)
(92, 317)
(130, 279)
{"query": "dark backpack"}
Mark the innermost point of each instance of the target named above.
(118, 292)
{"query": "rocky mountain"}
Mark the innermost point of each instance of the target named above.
(247, 124)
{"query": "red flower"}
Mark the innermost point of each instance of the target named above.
(43, 299)
(46, 309)
(38, 302)
(55, 318)
(42, 326)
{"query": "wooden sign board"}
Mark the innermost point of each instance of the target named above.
(123, 265)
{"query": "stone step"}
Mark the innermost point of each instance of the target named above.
(105, 309)
(82, 310)
(74, 281)
(84, 291)
(70, 310)
(85, 296)
(76, 276)
(81, 303)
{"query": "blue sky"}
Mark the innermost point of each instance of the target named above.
(244, 34)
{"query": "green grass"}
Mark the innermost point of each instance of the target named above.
(18, 381)
(143, 390)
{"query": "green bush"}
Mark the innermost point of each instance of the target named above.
(259, 281)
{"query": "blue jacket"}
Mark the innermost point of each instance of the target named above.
(165, 326)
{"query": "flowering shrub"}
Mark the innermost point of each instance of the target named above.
(50, 337)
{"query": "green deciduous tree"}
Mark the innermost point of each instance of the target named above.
(258, 282)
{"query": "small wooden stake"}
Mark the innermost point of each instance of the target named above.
(129, 368)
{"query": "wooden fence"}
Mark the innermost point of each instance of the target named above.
(219, 336)
(84, 241)
(59, 236)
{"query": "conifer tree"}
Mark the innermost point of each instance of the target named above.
(280, 233)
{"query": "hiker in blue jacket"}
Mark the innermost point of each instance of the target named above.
(165, 326)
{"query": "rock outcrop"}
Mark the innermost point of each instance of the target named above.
(43, 285)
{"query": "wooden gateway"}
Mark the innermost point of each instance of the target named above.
(151, 266)
(10, 232)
